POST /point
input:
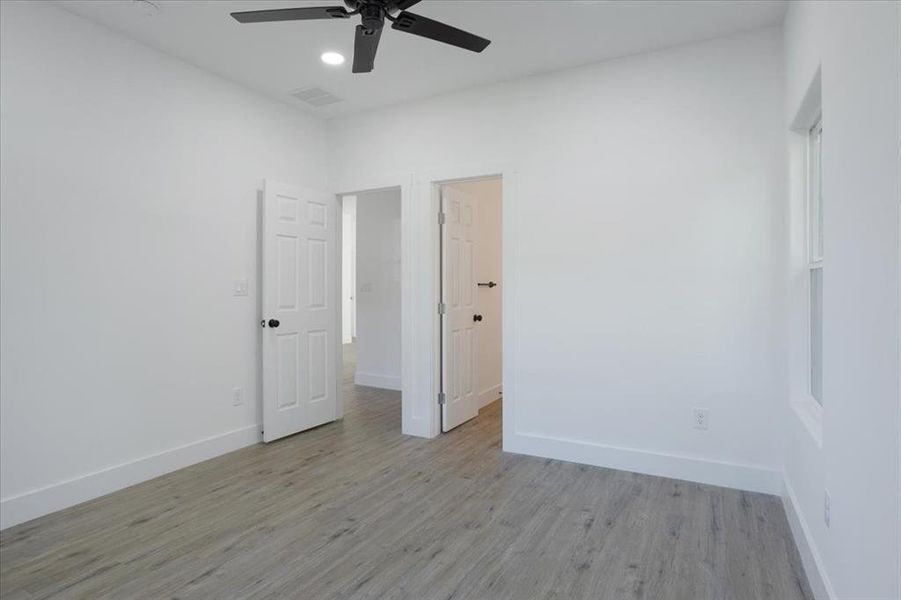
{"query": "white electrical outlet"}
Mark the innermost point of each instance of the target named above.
(237, 396)
(700, 418)
(241, 287)
(827, 508)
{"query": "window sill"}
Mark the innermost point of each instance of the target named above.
(810, 413)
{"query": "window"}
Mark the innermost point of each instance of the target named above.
(815, 256)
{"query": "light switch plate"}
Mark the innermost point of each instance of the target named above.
(241, 287)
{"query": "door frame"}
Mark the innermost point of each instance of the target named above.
(432, 181)
(360, 185)
(420, 285)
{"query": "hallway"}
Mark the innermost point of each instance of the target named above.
(353, 509)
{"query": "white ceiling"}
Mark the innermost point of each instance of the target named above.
(528, 36)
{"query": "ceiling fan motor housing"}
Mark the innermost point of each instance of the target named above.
(373, 17)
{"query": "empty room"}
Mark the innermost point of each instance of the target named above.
(446, 299)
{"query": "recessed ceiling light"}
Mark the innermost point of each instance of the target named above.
(332, 58)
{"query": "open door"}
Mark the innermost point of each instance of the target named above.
(300, 375)
(459, 298)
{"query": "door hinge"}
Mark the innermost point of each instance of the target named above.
(442, 218)
(442, 398)
(442, 308)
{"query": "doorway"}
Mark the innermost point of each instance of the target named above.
(471, 284)
(371, 288)
(421, 323)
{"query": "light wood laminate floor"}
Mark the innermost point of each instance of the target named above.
(356, 510)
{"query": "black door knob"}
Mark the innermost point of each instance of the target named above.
(274, 323)
(476, 317)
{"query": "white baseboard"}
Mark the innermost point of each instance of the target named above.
(386, 382)
(489, 395)
(810, 556)
(752, 478)
(36, 503)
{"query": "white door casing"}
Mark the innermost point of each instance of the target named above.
(459, 297)
(300, 382)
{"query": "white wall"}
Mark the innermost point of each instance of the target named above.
(648, 249)
(854, 449)
(128, 190)
(378, 291)
(488, 195)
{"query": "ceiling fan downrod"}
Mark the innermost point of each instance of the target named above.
(372, 17)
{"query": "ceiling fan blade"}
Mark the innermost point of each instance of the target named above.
(366, 43)
(291, 14)
(435, 30)
(405, 4)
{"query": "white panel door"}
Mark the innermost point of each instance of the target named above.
(459, 291)
(300, 381)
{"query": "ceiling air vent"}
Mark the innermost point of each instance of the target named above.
(315, 96)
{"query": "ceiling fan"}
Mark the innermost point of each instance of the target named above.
(372, 14)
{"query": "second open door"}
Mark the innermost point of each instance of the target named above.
(459, 293)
